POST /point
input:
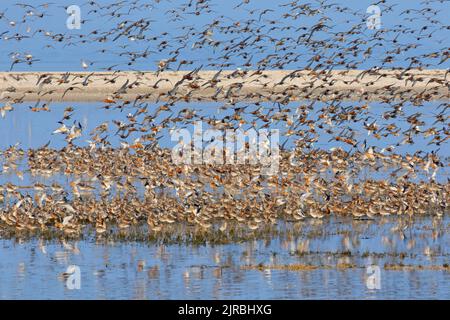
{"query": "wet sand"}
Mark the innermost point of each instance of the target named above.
(280, 86)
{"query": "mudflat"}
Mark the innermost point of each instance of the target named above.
(283, 86)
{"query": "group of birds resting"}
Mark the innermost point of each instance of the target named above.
(358, 173)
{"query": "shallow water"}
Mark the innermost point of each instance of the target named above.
(34, 129)
(28, 130)
(136, 270)
(338, 250)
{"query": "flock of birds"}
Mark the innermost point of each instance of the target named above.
(122, 189)
(116, 188)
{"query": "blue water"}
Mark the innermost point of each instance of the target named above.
(136, 270)
(34, 129)
(27, 129)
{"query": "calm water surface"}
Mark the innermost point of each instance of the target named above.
(33, 269)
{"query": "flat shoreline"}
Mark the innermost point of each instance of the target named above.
(281, 86)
